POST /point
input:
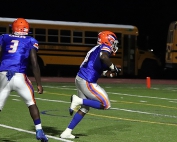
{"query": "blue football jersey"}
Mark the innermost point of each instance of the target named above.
(16, 51)
(92, 67)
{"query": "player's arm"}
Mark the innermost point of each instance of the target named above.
(0, 47)
(0, 53)
(36, 70)
(104, 56)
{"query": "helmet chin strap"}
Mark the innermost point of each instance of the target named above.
(20, 33)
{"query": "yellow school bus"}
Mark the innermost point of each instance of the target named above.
(63, 46)
(171, 47)
(171, 51)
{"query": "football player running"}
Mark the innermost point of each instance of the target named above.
(16, 49)
(89, 93)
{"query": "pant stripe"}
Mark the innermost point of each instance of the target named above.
(28, 83)
(97, 94)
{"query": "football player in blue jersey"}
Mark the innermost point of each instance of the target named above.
(16, 50)
(89, 93)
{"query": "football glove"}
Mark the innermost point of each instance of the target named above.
(115, 69)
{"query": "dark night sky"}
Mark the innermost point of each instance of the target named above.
(152, 17)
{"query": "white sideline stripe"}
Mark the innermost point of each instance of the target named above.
(46, 100)
(121, 94)
(173, 101)
(141, 96)
(112, 108)
(30, 132)
(171, 116)
(52, 100)
(16, 99)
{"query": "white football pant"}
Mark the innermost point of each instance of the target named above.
(19, 83)
(91, 91)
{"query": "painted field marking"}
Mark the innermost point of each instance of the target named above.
(141, 112)
(121, 94)
(16, 100)
(30, 132)
(139, 96)
(133, 120)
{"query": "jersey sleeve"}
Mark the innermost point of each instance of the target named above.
(1, 37)
(34, 44)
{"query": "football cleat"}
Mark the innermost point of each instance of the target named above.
(75, 101)
(41, 136)
(66, 135)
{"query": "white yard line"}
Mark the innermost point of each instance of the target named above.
(30, 132)
(121, 94)
(142, 112)
(138, 96)
(127, 110)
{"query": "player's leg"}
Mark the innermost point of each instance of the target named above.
(25, 89)
(97, 96)
(5, 88)
(90, 95)
(79, 115)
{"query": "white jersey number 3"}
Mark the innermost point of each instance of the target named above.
(14, 46)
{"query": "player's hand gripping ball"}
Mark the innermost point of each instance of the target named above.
(108, 73)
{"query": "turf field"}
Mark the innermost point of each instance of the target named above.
(138, 114)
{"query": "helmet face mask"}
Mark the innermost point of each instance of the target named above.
(20, 27)
(108, 38)
(114, 46)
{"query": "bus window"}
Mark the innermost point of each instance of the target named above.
(119, 37)
(2, 30)
(129, 54)
(52, 35)
(40, 35)
(31, 32)
(65, 36)
(170, 37)
(9, 30)
(91, 37)
(77, 37)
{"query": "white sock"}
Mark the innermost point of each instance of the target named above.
(80, 101)
(38, 126)
(68, 130)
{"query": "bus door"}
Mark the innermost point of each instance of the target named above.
(129, 65)
(171, 47)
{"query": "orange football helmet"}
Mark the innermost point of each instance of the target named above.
(108, 38)
(20, 27)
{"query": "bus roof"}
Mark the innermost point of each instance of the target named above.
(68, 23)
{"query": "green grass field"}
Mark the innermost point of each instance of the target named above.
(138, 114)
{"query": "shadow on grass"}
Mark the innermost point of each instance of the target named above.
(14, 137)
(7, 140)
(107, 130)
(110, 130)
(49, 130)
(55, 132)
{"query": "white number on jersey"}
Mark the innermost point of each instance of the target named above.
(14, 46)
